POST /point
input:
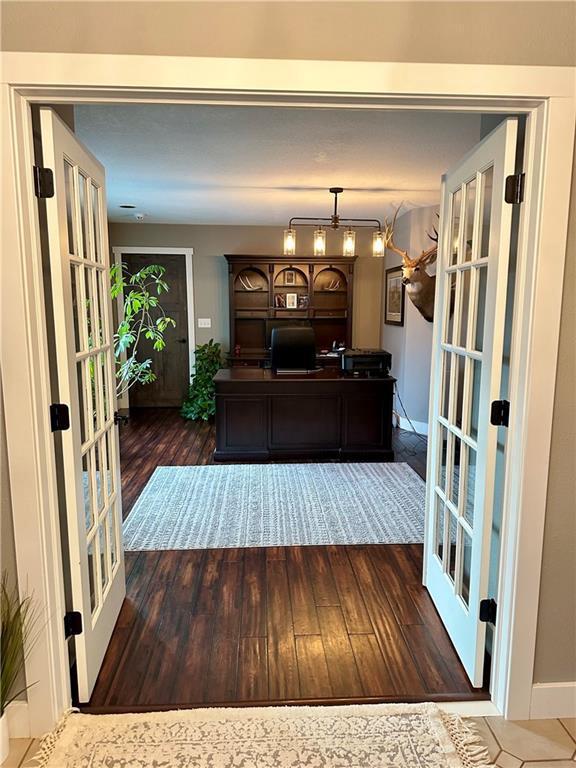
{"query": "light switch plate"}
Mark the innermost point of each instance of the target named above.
(204, 322)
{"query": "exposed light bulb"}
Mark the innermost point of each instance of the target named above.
(319, 242)
(289, 242)
(378, 244)
(349, 243)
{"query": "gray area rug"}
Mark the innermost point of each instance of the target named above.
(265, 505)
(369, 736)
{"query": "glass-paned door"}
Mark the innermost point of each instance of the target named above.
(80, 271)
(472, 273)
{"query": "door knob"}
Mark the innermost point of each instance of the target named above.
(182, 341)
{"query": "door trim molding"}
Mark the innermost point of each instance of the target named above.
(544, 94)
(188, 253)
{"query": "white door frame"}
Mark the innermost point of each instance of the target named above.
(545, 95)
(188, 253)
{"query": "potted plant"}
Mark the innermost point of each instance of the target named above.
(201, 400)
(18, 617)
(142, 317)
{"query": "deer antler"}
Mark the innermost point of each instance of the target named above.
(429, 256)
(389, 240)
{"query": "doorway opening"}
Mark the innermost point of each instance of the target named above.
(252, 651)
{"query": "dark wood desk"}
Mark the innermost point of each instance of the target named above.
(326, 414)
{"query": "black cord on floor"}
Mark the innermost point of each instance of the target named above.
(408, 419)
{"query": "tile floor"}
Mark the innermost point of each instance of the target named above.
(511, 744)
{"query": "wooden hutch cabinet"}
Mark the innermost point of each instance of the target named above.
(268, 291)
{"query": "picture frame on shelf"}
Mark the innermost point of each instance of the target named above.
(394, 297)
(291, 301)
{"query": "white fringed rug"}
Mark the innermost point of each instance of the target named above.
(368, 736)
(268, 505)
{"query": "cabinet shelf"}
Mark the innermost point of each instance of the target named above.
(253, 313)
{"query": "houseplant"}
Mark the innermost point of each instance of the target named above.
(201, 401)
(19, 617)
(143, 317)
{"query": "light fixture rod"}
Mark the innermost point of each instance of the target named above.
(310, 221)
(334, 220)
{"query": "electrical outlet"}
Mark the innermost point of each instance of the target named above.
(204, 322)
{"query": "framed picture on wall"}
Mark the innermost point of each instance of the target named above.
(289, 277)
(394, 297)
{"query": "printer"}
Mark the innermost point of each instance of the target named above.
(371, 362)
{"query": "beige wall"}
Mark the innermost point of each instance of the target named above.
(556, 642)
(411, 344)
(210, 243)
(468, 32)
(473, 32)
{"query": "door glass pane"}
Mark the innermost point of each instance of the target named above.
(455, 227)
(439, 528)
(100, 277)
(454, 493)
(466, 544)
(104, 575)
(447, 367)
(481, 278)
(465, 278)
(83, 214)
(106, 356)
(95, 207)
(443, 458)
(92, 391)
(92, 575)
(453, 532)
(109, 463)
(98, 476)
(70, 201)
(74, 284)
(449, 324)
(469, 231)
(87, 489)
(112, 538)
(89, 322)
(475, 400)
(470, 487)
(487, 181)
(460, 370)
(81, 379)
(96, 310)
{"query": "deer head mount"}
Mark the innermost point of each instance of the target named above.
(420, 286)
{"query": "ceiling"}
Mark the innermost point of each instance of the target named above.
(184, 164)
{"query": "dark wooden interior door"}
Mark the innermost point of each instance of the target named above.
(171, 365)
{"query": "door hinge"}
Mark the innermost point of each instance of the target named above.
(59, 417)
(72, 624)
(500, 413)
(514, 190)
(120, 418)
(488, 610)
(43, 182)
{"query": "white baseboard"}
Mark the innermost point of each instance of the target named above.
(470, 708)
(420, 426)
(18, 720)
(553, 700)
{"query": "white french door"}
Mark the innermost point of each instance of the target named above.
(80, 271)
(470, 315)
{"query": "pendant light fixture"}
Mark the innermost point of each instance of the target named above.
(334, 221)
(320, 242)
(289, 242)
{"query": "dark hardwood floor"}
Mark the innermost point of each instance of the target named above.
(277, 625)
(272, 625)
